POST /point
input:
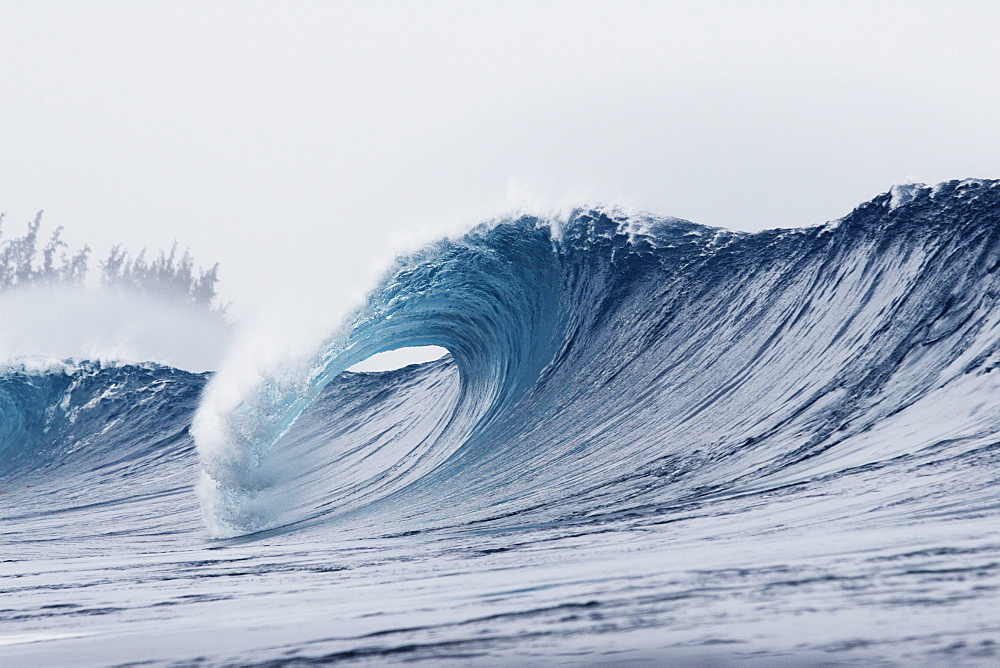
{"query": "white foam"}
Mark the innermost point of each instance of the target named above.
(904, 193)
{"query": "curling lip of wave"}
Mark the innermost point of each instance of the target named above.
(616, 361)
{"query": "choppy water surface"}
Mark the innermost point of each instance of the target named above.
(652, 442)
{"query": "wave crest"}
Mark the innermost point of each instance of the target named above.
(624, 361)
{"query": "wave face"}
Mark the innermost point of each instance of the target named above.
(613, 363)
(649, 434)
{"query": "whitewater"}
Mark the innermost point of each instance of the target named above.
(651, 442)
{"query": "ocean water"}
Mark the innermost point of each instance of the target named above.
(651, 442)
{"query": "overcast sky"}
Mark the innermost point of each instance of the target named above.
(297, 142)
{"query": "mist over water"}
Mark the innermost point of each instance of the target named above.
(133, 309)
(83, 323)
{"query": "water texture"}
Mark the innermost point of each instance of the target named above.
(652, 442)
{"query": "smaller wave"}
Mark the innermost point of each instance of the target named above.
(76, 415)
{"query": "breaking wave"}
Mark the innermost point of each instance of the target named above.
(609, 363)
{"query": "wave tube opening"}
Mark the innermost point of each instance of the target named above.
(399, 358)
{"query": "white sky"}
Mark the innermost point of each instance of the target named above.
(299, 142)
